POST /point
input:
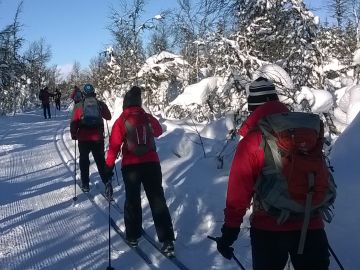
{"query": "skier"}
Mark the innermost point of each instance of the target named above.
(133, 134)
(76, 95)
(57, 98)
(272, 241)
(44, 96)
(88, 128)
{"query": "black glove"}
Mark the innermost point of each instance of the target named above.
(229, 236)
(108, 190)
(108, 173)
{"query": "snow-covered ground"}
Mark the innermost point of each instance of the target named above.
(43, 228)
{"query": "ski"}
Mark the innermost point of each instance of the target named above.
(137, 249)
(173, 259)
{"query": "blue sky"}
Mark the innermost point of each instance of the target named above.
(76, 29)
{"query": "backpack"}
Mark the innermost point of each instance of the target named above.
(295, 180)
(139, 138)
(91, 116)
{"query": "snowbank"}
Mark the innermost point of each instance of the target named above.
(320, 101)
(218, 129)
(348, 101)
(276, 74)
(197, 93)
(342, 231)
(356, 57)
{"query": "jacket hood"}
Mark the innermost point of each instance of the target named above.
(268, 108)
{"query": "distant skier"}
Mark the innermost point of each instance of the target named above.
(133, 134)
(57, 99)
(44, 96)
(87, 127)
(76, 95)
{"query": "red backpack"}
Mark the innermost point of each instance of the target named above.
(139, 138)
(295, 180)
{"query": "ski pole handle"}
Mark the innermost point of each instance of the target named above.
(233, 256)
(211, 238)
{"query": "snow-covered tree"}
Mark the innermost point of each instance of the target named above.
(282, 32)
(338, 10)
(12, 67)
(164, 79)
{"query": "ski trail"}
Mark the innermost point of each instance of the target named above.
(66, 148)
(40, 226)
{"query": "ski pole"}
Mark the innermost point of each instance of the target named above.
(232, 255)
(109, 266)
(75, 198)
(117, 178)
(335, 257)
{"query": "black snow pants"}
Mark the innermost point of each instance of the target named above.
(46, 108)
(57, 103)
(97, 150)
(150, 176)
(270, 250)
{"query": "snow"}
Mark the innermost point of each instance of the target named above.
(276, 74)
(348, 101)
(356, 57)
(334, 64)
(346, 81)
(320, 101)
(43, 228)
(354, 104)
(197, 93)
(343, 231)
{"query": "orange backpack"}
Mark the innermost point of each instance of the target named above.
(295, 180)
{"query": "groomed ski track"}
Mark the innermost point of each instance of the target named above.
(38, 170)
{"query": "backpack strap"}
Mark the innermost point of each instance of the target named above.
(270, 140)
(305, 226)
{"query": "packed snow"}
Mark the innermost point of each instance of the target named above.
(43, 228)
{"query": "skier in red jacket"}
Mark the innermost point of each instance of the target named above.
(90, 135)
(76, 95)
(271, 242)
(133, 134)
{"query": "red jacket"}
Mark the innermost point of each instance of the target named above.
(118, 135)
(87, 134)
(245, 169)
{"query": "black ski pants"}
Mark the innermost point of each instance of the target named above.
(57, 103)
(46, 108)
(97, 150)
(150, 176)
(270, 250)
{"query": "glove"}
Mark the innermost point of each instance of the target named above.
(108, 173)
(229, 236)
(108, 191)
